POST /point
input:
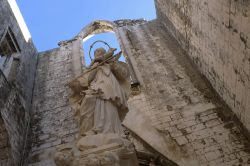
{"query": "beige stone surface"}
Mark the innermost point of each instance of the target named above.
(141, 125)
(94, 141)
(100, 149)
(215, 35)
(178, 102)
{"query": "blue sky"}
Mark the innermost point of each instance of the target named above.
(51, 21)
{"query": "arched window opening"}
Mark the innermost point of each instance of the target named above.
(111, 40)
(105, 31)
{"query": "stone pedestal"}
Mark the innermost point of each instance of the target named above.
(98, 150)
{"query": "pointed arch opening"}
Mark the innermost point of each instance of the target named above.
(104, 30)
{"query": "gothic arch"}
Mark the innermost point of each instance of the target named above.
(96, 27)
(101, 26)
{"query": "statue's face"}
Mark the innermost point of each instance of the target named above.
(99, 52)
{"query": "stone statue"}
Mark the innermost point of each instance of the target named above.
(99, 97)
(100, 100)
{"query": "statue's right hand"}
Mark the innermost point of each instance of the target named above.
(95, 64)
(82, 93)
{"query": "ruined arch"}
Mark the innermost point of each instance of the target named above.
(102, 26)
(96, 27)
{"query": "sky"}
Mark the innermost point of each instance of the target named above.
(51, 21)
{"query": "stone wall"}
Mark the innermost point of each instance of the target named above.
(15, 99)
(53, 121)
(4, 145)
(173, 110)
(14, 124)
(17, 127)
(26, 71)
(175, 99)
(4, 138)
(216, 36)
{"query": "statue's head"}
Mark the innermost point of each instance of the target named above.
(99, 52)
